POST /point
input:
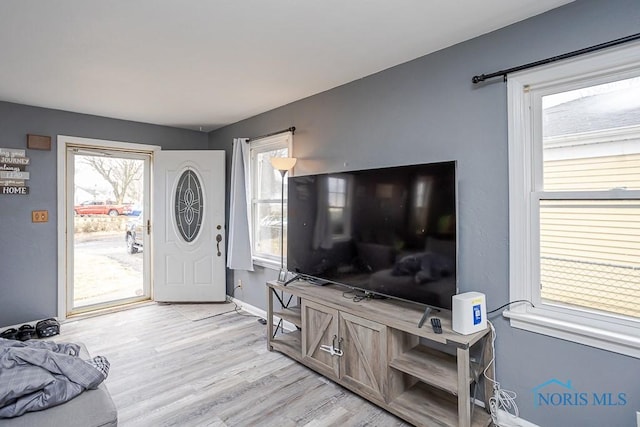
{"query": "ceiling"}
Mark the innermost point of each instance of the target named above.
(203, 64)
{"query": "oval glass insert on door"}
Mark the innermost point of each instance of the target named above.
(189, 205)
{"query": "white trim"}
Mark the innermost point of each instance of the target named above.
(263, 145)
(100, 143)
(267, 263)
(621, 339)
(599, 68)
(251, 309)
(613, 194)
(273, 142)
(524, 100)
(62, 229)
(520, 182)
(62, 142)
(258, 312)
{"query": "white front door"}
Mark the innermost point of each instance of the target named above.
(188, 229)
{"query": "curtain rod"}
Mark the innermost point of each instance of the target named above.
(503, 73)
(292, 129)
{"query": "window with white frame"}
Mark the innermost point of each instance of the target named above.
(266, 193)
(574, 199)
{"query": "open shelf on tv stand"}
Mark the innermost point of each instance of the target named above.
(376, 349)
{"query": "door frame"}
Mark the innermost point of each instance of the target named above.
(63, 141)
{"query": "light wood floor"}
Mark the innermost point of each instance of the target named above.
(167, 370)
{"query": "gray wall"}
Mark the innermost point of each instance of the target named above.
(428, 110)
(28, 252)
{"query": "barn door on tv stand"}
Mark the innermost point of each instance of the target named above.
(319, 330)
(359, 359)
(363, 365)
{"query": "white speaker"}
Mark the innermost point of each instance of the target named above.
(469, 313)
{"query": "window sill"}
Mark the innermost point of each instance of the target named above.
(267, 263)
(606, 336)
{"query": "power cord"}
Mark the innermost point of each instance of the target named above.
(238, 308)
(347, 294)
(509, 303)
(354, 295)
(501, 399)
(357, 295)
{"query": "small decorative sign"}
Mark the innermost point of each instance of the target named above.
(14, 175)
(38, 142)
(15, 168)
(13, 162)
(12, 182)
(14, 190)
(13, 152)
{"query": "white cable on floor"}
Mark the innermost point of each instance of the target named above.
(501, 399)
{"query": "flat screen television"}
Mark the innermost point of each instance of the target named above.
(389, 231)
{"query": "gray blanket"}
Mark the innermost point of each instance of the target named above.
(36, 375)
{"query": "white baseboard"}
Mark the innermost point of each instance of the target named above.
(248, 307)
(506, 419)
(258, 312)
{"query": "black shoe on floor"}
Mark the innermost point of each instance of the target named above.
(47, 328)
(9, 334)
(26, 332)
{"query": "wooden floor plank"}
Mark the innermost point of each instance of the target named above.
(167, 370)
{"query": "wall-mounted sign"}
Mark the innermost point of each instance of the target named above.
(12, 152)
(38, 142)
(12, 182)
(14, 190)
(14, 175)
(15, 168)
(13, 162)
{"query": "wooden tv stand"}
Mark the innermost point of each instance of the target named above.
(374, 348)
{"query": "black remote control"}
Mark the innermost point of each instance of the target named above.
(437, 326)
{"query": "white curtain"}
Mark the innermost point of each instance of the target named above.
(239, 256)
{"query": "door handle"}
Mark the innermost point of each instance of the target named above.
(332, 350)
(218, 240)
(339, 350)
